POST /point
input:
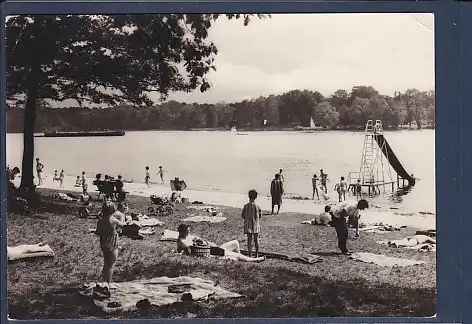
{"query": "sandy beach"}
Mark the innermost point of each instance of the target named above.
(397, 217)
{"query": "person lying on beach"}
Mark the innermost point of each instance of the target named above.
(230, 249)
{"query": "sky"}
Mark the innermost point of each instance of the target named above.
(319, 52)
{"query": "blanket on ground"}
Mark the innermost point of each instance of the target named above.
(145, 221)
(302, 258)
(380, 228)
(142, 231)
(157, 291)
(383, 260)
(208, 219)
(29, 251)
(417, 242)
(431, 232)
(209, 209)
(63, 196)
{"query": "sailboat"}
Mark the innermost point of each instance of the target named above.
(310, 129)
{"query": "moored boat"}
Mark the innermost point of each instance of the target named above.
(83, 134)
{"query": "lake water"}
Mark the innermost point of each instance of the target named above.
(226, 162)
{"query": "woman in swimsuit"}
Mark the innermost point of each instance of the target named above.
(107, 229)
(229, 249)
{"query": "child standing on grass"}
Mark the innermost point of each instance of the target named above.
(107, 229)
(251, 214)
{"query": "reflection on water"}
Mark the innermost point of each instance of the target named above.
(397, 197)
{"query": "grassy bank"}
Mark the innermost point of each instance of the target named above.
(47, 288)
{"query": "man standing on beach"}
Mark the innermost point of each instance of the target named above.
(39, 171)
(276, 191)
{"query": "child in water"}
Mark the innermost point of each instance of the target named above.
(61, 179)
(78, 182)
(55, 178)
(147, 177)
(251, 214)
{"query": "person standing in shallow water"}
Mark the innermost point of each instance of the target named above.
(147, 177)
(314, 182)
(323, 180)
(161, 174)
(277, 192)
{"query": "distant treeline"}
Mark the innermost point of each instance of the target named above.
(342, 110)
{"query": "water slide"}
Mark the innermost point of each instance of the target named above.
(393, 160)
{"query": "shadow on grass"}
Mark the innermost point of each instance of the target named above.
(326, 253)
(265, 295)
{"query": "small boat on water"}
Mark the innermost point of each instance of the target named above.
(313, 127)
(83, 134)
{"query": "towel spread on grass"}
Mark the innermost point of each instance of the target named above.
(417, 242)
(208, 219)
(158, 291)
(209, 209)
(29, 251)
(63, 196)
(146, 221)
(303, 258)
(383, 260)
(380, 228)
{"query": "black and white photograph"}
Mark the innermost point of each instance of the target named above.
(220, 166)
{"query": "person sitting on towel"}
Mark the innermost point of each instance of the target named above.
(177, 184)
(84, 209)
(230, 249)
(323, 218)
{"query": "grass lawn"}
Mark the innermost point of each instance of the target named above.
(338, 286)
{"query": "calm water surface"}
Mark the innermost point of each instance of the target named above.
(227, 162)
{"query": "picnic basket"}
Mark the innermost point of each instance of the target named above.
(201, 251)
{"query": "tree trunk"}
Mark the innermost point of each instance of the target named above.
(27, 185)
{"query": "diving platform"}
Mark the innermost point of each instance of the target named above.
(380, 169)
